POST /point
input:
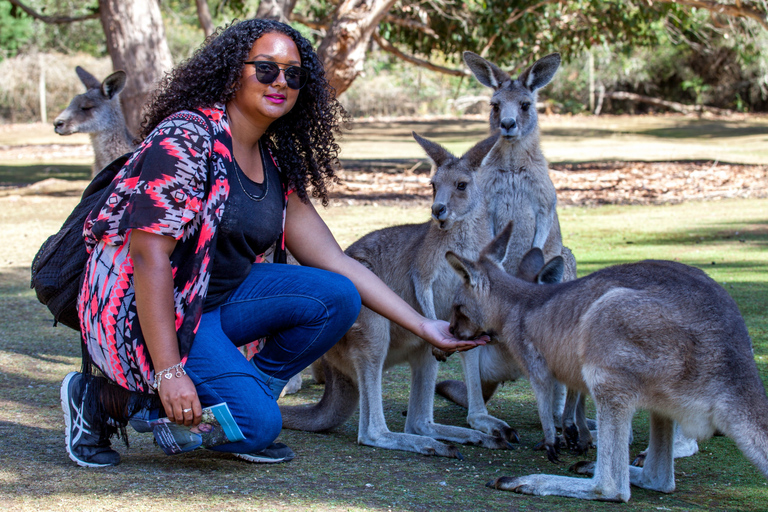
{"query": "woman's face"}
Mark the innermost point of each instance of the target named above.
(264, 103)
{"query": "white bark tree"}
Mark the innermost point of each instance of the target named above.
(136, 43)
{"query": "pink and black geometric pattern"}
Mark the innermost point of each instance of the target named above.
(175, 185)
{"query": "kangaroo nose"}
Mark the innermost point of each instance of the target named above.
(57, 123)
(439, 211)
(508, 123)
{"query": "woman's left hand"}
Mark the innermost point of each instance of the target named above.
(438, 334)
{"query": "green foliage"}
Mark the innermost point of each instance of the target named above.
(520, 32)
(15, 30)
(83, 36)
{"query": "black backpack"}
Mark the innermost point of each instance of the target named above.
(58, 267)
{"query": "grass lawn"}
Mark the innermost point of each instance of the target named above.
(728, 239)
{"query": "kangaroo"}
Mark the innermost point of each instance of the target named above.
(657, 335)
(97, 112)
(515, 180)
(409, 259)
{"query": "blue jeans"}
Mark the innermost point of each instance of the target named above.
(302, 311)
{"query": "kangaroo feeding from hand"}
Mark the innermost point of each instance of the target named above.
(409, 259)
(514, 177)
(655, 335)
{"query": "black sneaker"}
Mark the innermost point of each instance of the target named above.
(272, 454)
(84, 442)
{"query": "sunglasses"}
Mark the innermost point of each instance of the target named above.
(268, 71)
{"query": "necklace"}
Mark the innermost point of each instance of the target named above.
(239, 171)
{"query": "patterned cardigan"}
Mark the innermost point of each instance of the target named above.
(175, 184)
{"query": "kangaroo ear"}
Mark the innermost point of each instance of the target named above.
(89, 81)
(477, 153)
(487, 73)
(552, 272)
(497, 249)
(437, 153)
(463, 267)
(531, 264)
(541, 72)
(113, 84)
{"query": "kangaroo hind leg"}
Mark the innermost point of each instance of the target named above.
(658, 471)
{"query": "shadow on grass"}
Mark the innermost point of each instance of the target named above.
(19, 175)
(705, 130)
(685, 129)
(26, 326)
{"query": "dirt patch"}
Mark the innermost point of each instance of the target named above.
(403, 181)
(582, 184)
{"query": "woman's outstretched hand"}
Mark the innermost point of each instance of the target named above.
(438, 334)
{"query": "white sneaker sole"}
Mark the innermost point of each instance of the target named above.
(261, 460)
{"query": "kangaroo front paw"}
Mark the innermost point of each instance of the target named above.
(440, 355)
(507, 483)
(639, 460)
(583, 468)
(552, 449)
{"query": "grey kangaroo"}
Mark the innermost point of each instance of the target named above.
(514, 177)
(656, 335)
(409, 258)
(97, 112)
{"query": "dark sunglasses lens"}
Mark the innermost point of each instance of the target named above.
(266, 72)
(295, 77)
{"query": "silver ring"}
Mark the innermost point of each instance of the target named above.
(186, 410)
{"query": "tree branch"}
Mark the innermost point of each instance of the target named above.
(315, 25)
(739, 10)
(388, 47)
(516, 15)
(55, 20)
(672, 105)
(415, 25)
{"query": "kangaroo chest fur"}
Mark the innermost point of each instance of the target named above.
(520, 190)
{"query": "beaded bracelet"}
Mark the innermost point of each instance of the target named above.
(168, 373)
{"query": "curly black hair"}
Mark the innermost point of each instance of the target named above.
(303, 139)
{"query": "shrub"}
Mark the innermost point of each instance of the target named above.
(19, 88)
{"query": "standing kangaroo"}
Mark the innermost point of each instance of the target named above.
(514, 177)
(409, 259)
(656, 335)
(97, 112)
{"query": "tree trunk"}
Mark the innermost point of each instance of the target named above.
(137, 45)
(204, 15)
(279, 10)
(343, 48)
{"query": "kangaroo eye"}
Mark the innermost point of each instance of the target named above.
(525, 106)
(462, 185)
(495, 107)
(86, 108)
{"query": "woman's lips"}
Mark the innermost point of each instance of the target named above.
(276, 98)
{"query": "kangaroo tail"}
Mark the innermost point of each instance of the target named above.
(456, 391)
(453, 390)
(339, 402)
(748, 427)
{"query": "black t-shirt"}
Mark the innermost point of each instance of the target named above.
(252, 222)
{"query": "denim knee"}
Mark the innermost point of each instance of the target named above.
(252, 406)
(347, 303)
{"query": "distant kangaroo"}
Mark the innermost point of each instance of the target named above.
(656, 335)
(514, 177)
(97, 112)
(409, 259)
